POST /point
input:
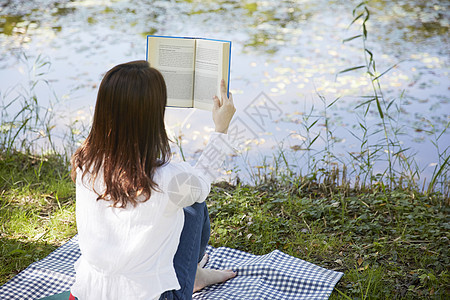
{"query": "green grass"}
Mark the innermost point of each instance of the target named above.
(389, 244)
(37, 209)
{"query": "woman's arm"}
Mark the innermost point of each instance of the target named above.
(192, 184)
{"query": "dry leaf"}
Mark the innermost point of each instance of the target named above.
(360, 261)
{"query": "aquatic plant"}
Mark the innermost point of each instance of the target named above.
(382, 162)
(24, 121)
(401, 164)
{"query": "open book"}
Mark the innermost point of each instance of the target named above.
(192, 68)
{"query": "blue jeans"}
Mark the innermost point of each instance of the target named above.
(193, 241)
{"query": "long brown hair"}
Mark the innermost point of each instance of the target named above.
(128, 140)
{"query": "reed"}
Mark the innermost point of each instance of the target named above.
(379, 145)
(24, 122)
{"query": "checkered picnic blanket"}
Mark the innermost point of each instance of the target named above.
(52, 275)
(272, 276)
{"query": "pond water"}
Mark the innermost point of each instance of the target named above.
(286, 59)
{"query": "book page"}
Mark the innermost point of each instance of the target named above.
(208, 72)
(174, 58)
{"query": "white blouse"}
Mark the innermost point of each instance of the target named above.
(128, 253)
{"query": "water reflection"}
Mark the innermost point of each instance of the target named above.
(289, 50)
(418, 20)
(268, 24)
(8, 24)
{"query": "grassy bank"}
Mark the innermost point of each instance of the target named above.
(37, 209)
(389, 244)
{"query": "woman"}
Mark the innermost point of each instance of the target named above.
(142, 222)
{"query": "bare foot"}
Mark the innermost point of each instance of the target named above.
(205, 277)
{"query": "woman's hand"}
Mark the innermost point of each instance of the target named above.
(223, 109)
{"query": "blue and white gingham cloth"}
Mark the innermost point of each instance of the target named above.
(52, 275)
(272, 276)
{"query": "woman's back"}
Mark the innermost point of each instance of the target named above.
(126, 249)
